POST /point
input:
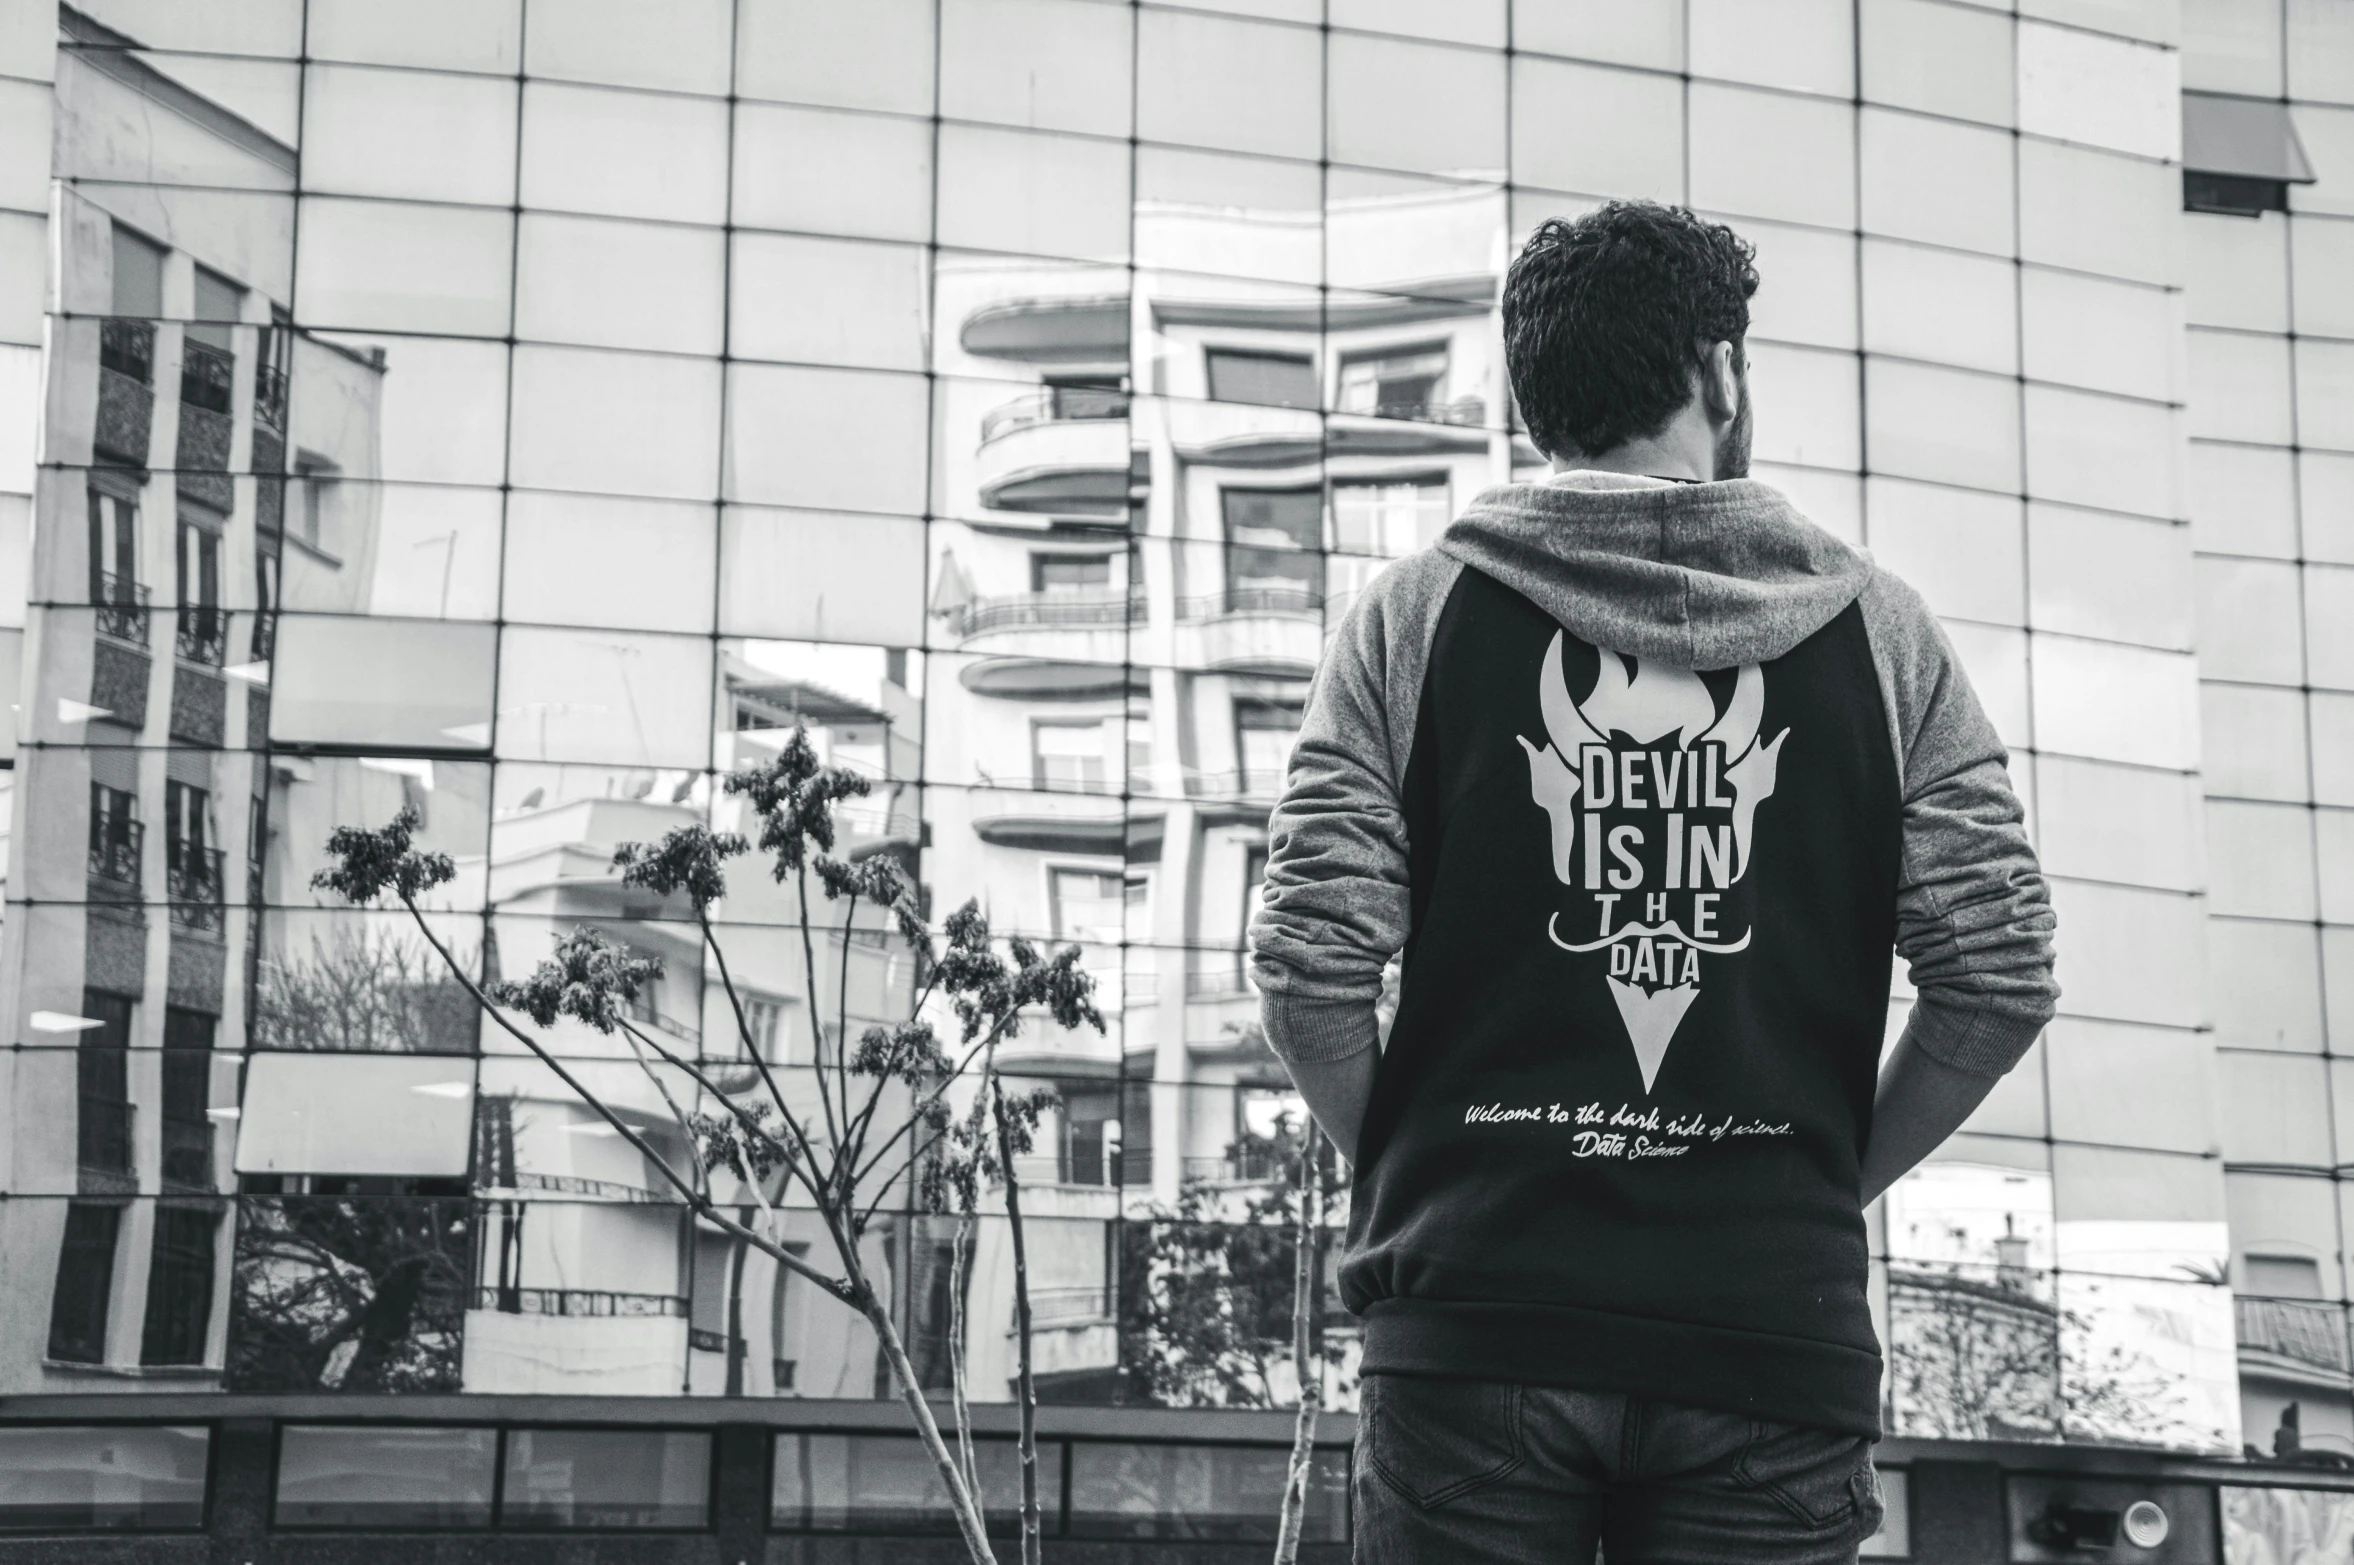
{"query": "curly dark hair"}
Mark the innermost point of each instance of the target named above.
(1606, 318)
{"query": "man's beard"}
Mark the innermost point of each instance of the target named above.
(1732, 448)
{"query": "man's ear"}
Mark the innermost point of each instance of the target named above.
(1720, 382)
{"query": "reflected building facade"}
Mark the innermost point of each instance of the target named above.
(529, 412)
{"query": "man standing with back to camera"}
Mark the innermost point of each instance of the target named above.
(1646, 775)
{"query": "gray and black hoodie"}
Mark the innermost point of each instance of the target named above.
(1646, 781)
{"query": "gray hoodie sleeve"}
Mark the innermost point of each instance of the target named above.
(1973, 917)
(1334, 907)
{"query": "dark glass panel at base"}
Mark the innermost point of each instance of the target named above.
(886, 1483)
(55, 1478)
(606, 1478)
(1201, 1492)
(385, 1476)
(349, 1293)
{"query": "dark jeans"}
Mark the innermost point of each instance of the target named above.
(1460, 1471)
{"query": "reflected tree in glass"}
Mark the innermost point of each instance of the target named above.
(1209, 1286)
(881, 1120)
(363, 990)
(350, 1290)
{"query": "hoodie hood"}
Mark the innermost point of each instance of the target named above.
(1699, 576)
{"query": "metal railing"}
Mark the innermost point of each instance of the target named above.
(578, 1303)
(187, 1152)
(128, 348)
(269, 397)
(102, 1134)
(203, 634)
(575, 1184)
(1054, 404)
(194, 882)
(117, 848)
(1423, 410)
(703, 1341)
(121, 605)
(1050, 610)
(1064, 1306)
(206, 375)
(2302, 1329)
(1233, 785)
(1252, 600)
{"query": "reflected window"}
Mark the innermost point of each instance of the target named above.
(1092, 906)
(1390, 517)
(1069, 757)
(2283, 1276)
(1201, 1492)
(1274, 380)
(384, 1476)
(203, 627)
(1272, 558)
(187, 1095)
(180, 1284)
(117, 836)
(114, 562)
(606, 1478)
(1394, 382)
(208, 354)
(138, 275)
(887, 1483)
(1264, 733)
(57, 1478)
(1057, 573)
(382, 684)
(85, 1282)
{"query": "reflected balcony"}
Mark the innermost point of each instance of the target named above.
(126, 395)
(2293, 1342)
(269, 398)
(1060, 449)
(195, 883)
(206, 374)
(202, 636)
(553, 1341)
(188, 1154)
(1089, 626)
(102, 1140)
(1252, 629)
(1067, 329)
(121, 607)
(117, 848)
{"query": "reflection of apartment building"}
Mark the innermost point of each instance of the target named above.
(160, 506)
(1156, 520)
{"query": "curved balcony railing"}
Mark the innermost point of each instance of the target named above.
(1053, 404)
(1252, 600)
(102, 1135)
(2305, 1330)
(188, 1153)
(193, 879)
(269, 397)
(116, 848)
(203, 635)
(577, 1302)
(1050, 610)
(122, 609)
(1463, 411)
(128, 348)
(206, 374)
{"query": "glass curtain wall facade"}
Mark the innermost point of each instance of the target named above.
(529, 412)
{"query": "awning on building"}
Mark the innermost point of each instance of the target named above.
(2244, 138)
(395, 1114)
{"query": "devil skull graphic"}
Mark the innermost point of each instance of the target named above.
(1652, 796)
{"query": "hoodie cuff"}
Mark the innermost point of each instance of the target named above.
(1318, 1032)
(1970, 1039)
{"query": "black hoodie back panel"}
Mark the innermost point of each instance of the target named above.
(1615, 1135)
